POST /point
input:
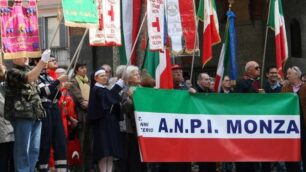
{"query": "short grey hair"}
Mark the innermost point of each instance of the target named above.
(128, 72)
(297, 70)
(120, 70)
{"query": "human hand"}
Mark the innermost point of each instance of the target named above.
(63, 78)
(46, 55)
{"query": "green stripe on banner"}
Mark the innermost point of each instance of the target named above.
(182, 102)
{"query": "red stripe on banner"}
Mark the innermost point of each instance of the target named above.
(219, 150)
(188, 23)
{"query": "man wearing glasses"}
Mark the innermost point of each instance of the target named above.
(250, 82)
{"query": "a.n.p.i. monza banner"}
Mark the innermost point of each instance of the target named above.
(176, 126)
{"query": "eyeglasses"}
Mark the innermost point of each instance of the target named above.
(257, 68)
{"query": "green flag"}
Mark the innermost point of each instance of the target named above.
(80, 13)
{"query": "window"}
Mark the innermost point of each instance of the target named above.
(296, 43)
(48, 27)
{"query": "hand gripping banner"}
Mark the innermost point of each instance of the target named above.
(19, 30)
(176, 126)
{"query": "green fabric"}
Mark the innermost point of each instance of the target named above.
(80, 11)
(178, 101)
(151, 62)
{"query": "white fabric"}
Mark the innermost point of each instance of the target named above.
(109, 33)
(101, 71)
(155, 20)
(174, 25)
(46, 55)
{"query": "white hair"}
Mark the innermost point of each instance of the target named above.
(120, 70)
(297, 70)
(128, 72)
(248, 65)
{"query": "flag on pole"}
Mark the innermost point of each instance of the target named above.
(207, 12)
(130, 21)
(80, 13)
(276, 22)
(228, 53)
(158, 66)
(19, 30)
(108, 31)
(155, 20)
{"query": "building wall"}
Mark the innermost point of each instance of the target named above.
(295, 9)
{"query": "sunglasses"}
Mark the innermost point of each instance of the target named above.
(257, 68)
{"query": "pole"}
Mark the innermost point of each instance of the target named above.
(74, 58)
(56, 30)
(194, 45)
(265, 49)
(138, 34)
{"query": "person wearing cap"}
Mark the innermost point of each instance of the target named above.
(24, 109)
(296, 85)
(178, 79)
(53, 135)
(79, 91)
(105, 123)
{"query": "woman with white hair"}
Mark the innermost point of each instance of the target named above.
(131, 160)
(105, 123)
(296, 85)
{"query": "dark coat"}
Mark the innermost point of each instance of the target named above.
(105, 122)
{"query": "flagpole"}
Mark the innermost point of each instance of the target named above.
(195, 43)
(265, 49)
(56, 30)
(74, 58)
(138, 34)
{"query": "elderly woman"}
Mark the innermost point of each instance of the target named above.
(296, 85)
(131, 161)
(105, 125)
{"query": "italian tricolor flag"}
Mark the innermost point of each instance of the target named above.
(158, 66)
(130, 19)
(276, 22)
(176, 126)
(208, 14)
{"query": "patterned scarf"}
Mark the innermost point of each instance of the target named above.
(84, 85)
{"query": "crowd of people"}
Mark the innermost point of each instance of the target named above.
(52, 122)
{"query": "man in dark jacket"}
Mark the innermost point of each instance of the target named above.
(53, 135)
(248, 84)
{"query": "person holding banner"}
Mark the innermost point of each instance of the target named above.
(131, 161)
(248, 84)
(105, 123)
(296, 85)
(24, 108)
(53, 135)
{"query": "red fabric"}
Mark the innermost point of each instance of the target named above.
(136, 24)
(281, 54)
(166, 79)
(230, 150)
(67, 106)
(52, 73)
(188, 23)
